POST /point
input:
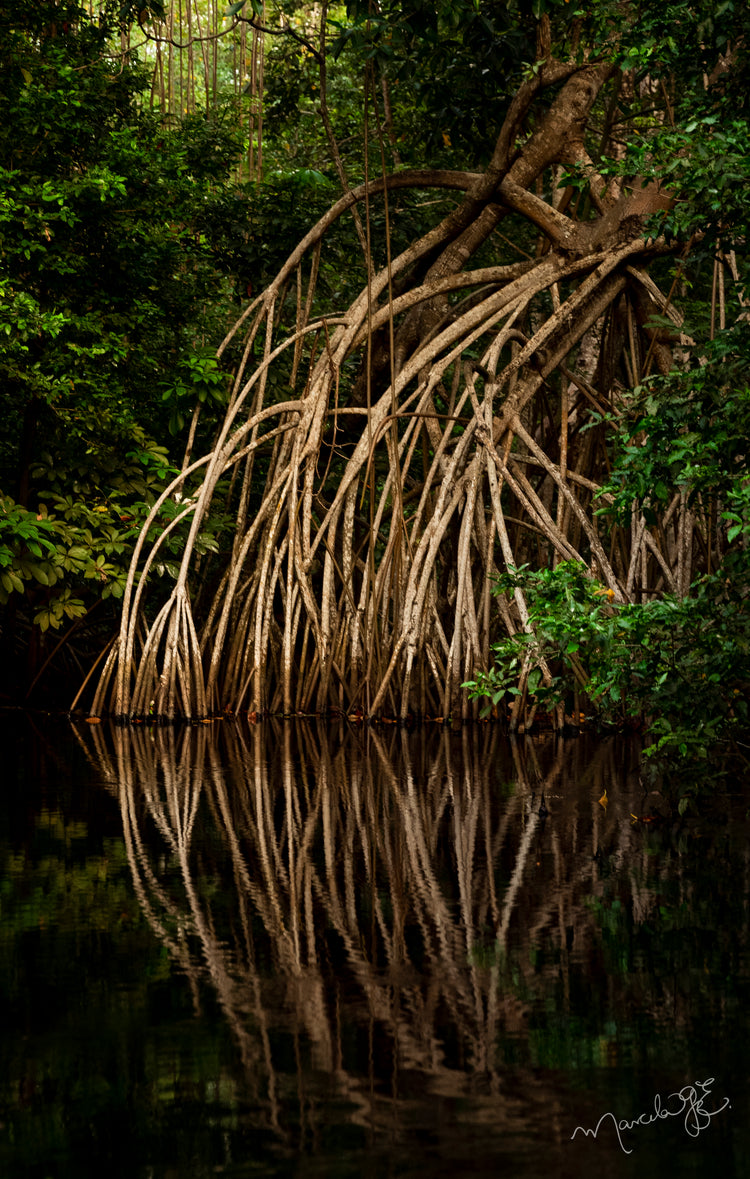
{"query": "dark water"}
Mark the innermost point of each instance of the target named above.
(290, 950)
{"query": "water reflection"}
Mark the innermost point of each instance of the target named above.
(438, 955)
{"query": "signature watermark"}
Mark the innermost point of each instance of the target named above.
(686, 1103)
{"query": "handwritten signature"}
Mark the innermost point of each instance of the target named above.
(687, 1102)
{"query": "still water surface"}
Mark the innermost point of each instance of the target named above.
(299, 950)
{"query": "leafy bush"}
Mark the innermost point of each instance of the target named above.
(679, 669)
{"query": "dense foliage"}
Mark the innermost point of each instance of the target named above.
(115, 280)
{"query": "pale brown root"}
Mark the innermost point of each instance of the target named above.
(385, 504)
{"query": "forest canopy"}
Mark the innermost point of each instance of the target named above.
(383, 359)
